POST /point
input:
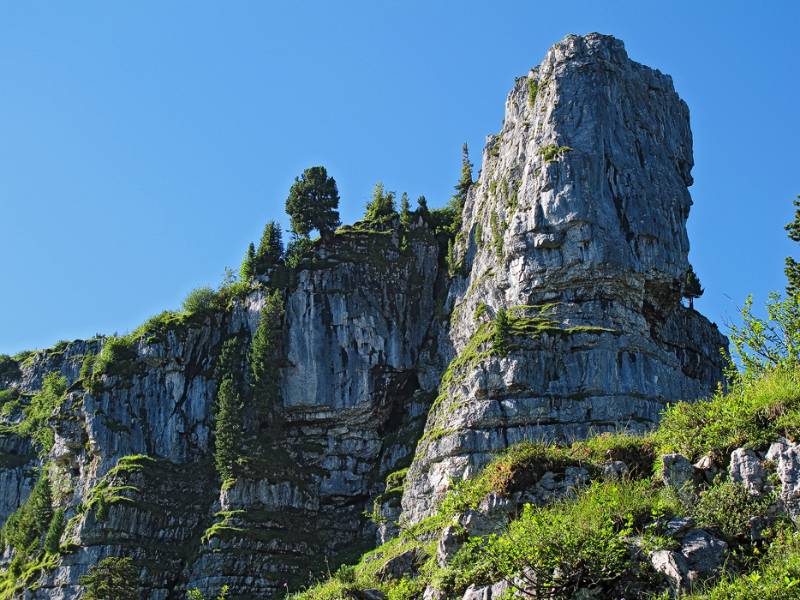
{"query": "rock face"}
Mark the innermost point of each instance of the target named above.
(562, 318)
(581, 205)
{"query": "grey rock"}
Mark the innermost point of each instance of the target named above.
(704, 553)
(450, 541)
(615, 469)
(602, 234)
(746, 469)
(399, 566)
(672, 565)
(708, 468)
(677, 472)
(786, 457)
(496, 591)
(678, 526)
(477, 523)
(372, 594)
(431, 593)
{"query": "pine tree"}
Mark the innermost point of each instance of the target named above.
(313, 203)
(228, 429)
(53, 538)
(502, 329)
(247, 270)
(465, 182)
(112, 578)
(405, 222)
(792, 268)
(381, 207)
(265, 351)
(691, 287)
(270, 248)
(422, 205)
(405, 212)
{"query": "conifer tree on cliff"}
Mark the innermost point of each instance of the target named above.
(692, 288)
(464, 182)
(792, 268)
(313, 203)
(270, 248)
(247, 270)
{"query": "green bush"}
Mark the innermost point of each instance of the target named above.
(115, 357)
(113, 578)
(346, 574)
(533, 89)
(54, 531)
(752, 414)
(42, 405)
(299, 249)
(25, 528)
(569, 545)
(200, 301)
(9, 368)
(728, 506)
(553, 152)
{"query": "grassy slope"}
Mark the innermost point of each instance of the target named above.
(586, 536)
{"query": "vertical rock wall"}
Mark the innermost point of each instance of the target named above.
(577, 228)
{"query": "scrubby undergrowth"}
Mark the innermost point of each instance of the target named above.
(600, 537)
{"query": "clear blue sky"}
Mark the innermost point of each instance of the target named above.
(144, 144)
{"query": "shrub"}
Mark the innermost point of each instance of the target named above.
(381, 208)
(9, 368)
(553, 152)
(345, 574)
(752, 414)
(533, 89)
(114, 358)
(37, 414)
(572, 544)
(299, 249)
(113, 578)
(200, 301)
(53, 537)
(728, 506)
(228, 429)
(501, 332)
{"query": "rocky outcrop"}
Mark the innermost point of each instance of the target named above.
(132, 458)
(576, 228)
(562, 318)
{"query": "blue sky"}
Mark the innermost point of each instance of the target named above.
(143, 145)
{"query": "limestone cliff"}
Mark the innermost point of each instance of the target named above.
(576, 227)
(560, 317)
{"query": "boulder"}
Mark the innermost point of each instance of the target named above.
(672, 565)
(786, 457)
(399, 566)
(678, 473)
(746, 468)
(615, 469)
(496, 591)
(449, 543)
(704, 553)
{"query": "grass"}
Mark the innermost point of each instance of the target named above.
(752, 414)
(533, 89)
(552, 152)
